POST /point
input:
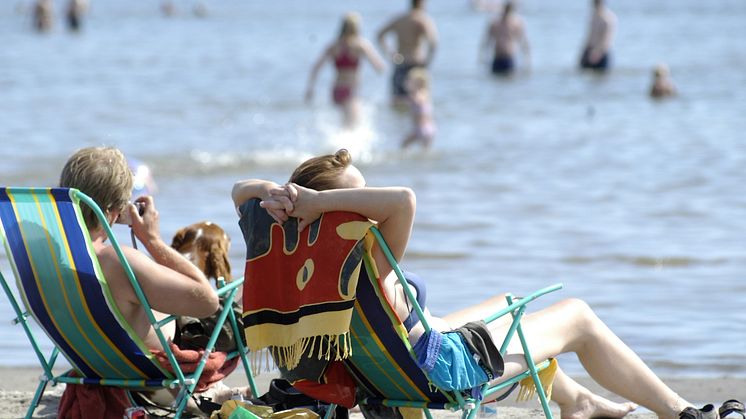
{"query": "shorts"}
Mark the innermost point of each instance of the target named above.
(601, 65)
(503, 65)
(399, 79)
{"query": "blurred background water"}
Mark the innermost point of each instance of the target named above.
(553, 175)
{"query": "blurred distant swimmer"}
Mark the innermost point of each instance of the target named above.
(416, 38)
(167, 8)
(199, 9)
(662, 84)
(423, 131)
(75, 11)
(345, 54)
(596, 55)
(43, 15)
(504, 33)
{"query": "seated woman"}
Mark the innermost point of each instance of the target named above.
(332, 183)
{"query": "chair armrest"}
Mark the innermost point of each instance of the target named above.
(523, 301)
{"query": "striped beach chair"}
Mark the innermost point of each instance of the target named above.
(62, 288)
(382, 361)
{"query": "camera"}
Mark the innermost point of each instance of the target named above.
(124, 216)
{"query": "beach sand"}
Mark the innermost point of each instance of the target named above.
(18, 384)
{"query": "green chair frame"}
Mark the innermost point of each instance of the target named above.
(461, 400)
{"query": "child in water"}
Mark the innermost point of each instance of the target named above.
(662, 84)
(418, 91)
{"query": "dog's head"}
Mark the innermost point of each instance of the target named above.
(206, 245)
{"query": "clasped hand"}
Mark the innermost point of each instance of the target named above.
(291, 200)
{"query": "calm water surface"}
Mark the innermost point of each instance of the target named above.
(551, 176)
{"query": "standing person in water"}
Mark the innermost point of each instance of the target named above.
(345, 54)
(75, 11)
(43, 15)
(503, 34)
(596, 55)
(423, 130)
(416, 39)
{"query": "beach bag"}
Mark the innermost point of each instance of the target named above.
(194, 333)
(336, 386)
(283, 396)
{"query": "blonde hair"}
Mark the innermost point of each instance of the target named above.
(419, 78)
(350, 25)
(101, 173)
(661, 70)
(323, 172)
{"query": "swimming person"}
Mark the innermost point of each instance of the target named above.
(503, 34)
(662, 84)
(416, 41)
(345, 53)
(596, 54)
(332, 183)
(421, 108)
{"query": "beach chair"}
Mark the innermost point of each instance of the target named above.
(381, 359)
(62, 288)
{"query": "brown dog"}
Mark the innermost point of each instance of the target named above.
(206, 245)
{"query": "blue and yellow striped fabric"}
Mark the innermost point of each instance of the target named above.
(61, 283)
(381, 358)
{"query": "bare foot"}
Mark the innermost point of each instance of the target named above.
(594, 406)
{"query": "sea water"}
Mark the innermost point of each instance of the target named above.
(553, 175)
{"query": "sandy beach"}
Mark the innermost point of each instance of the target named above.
(17, 386)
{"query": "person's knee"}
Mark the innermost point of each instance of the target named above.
(578, 309)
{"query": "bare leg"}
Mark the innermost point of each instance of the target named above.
(575, 401)
(571, 326)
(350, 113)
(408, 140)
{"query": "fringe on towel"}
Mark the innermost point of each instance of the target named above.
(331, 347)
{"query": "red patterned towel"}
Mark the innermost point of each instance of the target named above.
(299, 288)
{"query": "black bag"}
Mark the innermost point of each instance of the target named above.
(283, 396)
(194, 333)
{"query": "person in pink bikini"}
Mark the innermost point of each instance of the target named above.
(345, 54)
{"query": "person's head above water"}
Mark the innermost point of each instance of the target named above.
(331, 171)
(508, 8)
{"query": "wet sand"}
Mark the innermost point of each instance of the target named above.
(18, 384)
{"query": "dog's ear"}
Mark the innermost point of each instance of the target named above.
(217, 264)
(180, 238)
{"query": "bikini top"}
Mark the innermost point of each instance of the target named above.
(419, 286)
(345, 60)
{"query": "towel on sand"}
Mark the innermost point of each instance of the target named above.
(81, 401)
